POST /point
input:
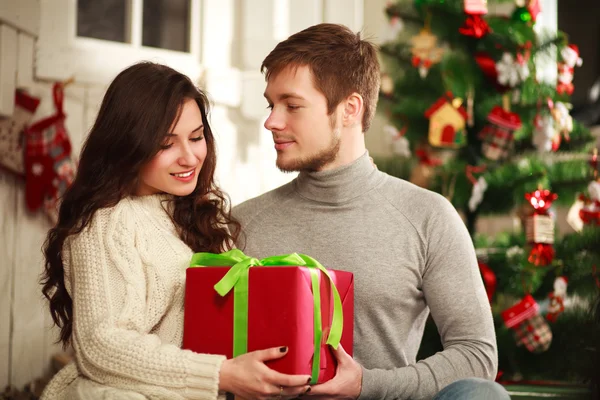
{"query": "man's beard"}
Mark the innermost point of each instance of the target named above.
(316, 161)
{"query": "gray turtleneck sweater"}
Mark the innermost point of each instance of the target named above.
(410, 254)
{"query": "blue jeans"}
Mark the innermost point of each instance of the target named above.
(473, 388)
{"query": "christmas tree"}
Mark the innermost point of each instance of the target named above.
(468, 118)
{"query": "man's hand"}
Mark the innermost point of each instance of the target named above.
(347, 382)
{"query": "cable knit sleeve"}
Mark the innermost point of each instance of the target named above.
(113, 345)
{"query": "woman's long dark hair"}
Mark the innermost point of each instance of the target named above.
(137, 111)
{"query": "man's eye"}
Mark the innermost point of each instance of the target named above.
(270, 106)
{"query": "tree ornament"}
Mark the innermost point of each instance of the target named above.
(394, 28)
(573, 218)
(565, 80)
(544, 133)
(400, 145)
(489, 279)
(564, 121)
(557, 299)
(539, 227)
(425, 52)
(530, 328)
(522, 14)
(11, 133)
(488, 67)
(566, 69)
(534, 9)
(479, 185)
(475, 26)
(570, 56)
(422, 173)
(590, 210)
(498, 136)
(387, 85)
(476, 7)
(477, 192)
(447, 122)
(511, 71)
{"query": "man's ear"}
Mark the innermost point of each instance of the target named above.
(353, 110)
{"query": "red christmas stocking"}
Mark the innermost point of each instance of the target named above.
(48, 162)
(11, 133)
(531, 329)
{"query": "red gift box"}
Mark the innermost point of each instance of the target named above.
(280, 313)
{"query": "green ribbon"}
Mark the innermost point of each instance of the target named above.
(237, 279)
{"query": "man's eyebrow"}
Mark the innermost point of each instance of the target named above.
(285, 96)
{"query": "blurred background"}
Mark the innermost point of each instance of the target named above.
(58, 56)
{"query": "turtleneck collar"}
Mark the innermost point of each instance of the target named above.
(338, 185)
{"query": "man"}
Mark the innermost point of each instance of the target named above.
(407, 247)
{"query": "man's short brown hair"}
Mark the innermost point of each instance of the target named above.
(341, 62)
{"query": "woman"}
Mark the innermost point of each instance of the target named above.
(143, 201)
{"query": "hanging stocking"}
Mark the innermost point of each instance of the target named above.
(498, 136)
(530, 328)
(49, 166)
(11, 133)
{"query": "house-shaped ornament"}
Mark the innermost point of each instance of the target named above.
(446, 123)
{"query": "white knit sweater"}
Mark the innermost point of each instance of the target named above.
(126, 274)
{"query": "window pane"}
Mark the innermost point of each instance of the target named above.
(102, 19)
(167, 24)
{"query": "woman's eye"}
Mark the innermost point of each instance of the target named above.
(197, 139)
(166, 146)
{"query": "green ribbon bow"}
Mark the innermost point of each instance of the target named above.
(237, 279)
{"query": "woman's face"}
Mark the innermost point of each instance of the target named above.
(176, 167)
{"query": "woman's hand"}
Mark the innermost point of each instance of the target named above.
(248, 377)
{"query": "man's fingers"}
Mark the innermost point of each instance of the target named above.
(295, 391)
(322, 389)
(341, 354)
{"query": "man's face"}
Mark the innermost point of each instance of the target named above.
(305, 136)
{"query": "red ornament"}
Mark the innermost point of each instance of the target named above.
(488, 66)
(590, 212)
(426, 159)
(534, 9)
(539, 227)
(489, 279)
(541, 200)
(541, 254)
(475, 26)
